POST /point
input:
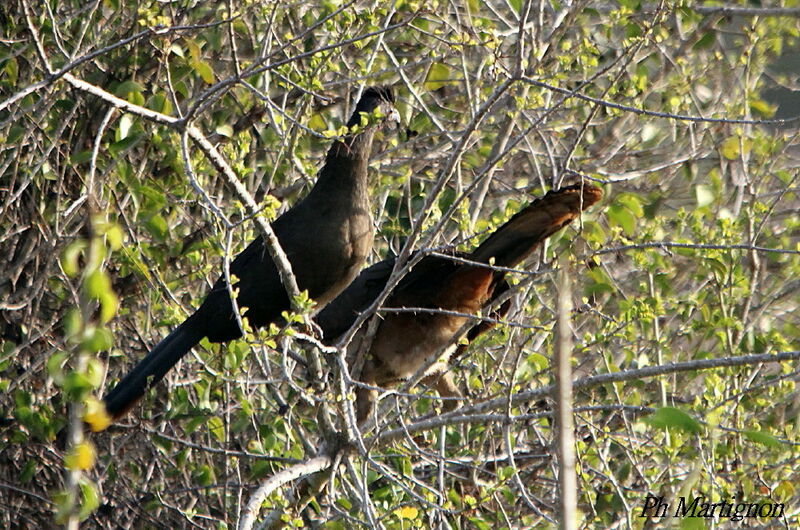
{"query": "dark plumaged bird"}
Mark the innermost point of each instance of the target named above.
(326, 236)
(405, 341)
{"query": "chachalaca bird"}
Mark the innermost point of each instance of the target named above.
(326, 237)
(404, 341)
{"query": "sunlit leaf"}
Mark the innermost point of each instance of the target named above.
(216, 428)
(95, 415)
(81, 457)
(673, 418)
(704, 195)
(204, 70)
(407, 512)
(438, 76)
(763, 438)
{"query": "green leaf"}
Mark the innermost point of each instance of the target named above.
(14, 134)
(763, 438)
(438, 76)
(98, 287)
(70, 255)
(673, 418)
(90, 500)
(705, 41)
(593, 232)
(623, 217)
(124, 144)
(505, 473)
(193, 48)
(125, 124)
(81, 157)
(27, 472)
(762, 108)
(704, 195)
(730, 148)
(203, 475)
(216, 428)
(157, 226)
(193, 422)
(692, 523)
(55, 366)
(72, 322)
(600, 283)
(717, 266)
(127, 88)
(407, 512)
(631, 202)
(76, 385)
(784, 490)
(160, 103)
(480, 524)
(204, 71)
(97, 339)
(11, 69)
(420, 123)
(224, 130)
(109, 303)
(114, 236)
(317, 123)
(632, 31)
(97, 284)
(631, 4)
(538, 361)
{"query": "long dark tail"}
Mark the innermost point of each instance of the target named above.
(152, 368)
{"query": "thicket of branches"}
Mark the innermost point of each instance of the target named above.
(125, 128)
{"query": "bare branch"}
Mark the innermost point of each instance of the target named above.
(473, 413)
(277, 480)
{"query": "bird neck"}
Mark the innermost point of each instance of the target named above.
(353, 146)
(346, 164)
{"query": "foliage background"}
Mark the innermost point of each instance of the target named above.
(107, 239)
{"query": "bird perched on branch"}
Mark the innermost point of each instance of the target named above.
(453, 289)
(326, 237)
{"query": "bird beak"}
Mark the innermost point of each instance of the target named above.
(394, 116)
(393, 119)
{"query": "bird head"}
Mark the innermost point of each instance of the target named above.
(376, 107)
